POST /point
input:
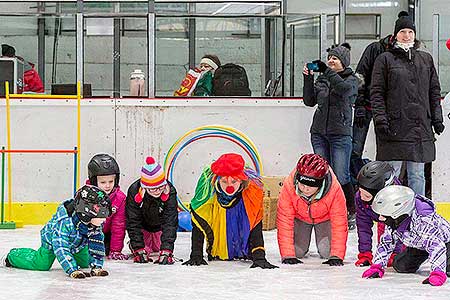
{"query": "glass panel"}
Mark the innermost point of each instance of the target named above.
(221, 9)
(172, 54)
(306, 49)
(99, 61)
(21, 34)
(236, 40)
(444, 57)
(60, 51)
(133, 51)
(171, 8)
(18, 7)
(359, 23)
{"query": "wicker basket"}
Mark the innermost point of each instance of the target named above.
(270, 213)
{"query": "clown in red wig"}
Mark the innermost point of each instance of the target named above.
(227, 211)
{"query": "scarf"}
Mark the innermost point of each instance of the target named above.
(94, 236)
(404, 46)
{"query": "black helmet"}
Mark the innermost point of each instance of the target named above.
(92, 202)
(103, 164)
(375, 175)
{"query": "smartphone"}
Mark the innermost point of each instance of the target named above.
(312, 67)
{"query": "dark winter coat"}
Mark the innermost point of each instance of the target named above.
(334, 93)
(152, 215)
(365, 67)
(405, 95)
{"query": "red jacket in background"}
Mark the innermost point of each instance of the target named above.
(32, 80)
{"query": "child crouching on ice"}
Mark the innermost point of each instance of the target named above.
(411, 219)
(73, 236)
(104, 172)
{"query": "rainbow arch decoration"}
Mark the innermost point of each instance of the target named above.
(210, 131)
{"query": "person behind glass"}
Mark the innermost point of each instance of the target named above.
(363, 110)
(334, 93)
(411, 219)
(372, 178)
(406, 104)
(311, 197)
(31, 79)
(199, 81)
(227, 211)
(152, 215)
(104, 172)
(208, 64)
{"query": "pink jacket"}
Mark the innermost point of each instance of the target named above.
(116, 223)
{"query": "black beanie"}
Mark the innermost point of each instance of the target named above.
(342, 52)
(8, 50)
(404, 21)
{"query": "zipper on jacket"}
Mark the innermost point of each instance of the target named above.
(328, 111)
(309, 213)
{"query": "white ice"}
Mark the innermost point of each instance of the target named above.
(219, 280)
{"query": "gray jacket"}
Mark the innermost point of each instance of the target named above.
(334, 93)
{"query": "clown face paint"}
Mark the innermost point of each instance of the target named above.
(229, 185)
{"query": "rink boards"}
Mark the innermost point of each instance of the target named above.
(131, 129)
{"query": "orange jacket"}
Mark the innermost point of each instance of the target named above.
(330, 207)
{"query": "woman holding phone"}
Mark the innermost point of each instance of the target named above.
(334, 92)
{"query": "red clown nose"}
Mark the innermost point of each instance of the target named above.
(448, 44)
(229, 190)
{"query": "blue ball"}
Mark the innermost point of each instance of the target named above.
(184, 221)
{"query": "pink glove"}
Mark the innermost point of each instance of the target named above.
(375, 271)
(436, 278)
(117, 255)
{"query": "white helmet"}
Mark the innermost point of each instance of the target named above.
(394, 201)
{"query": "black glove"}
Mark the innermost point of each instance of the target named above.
(263, 264)
(360, 116)
(382, 129)
(438, 127)
(334, 261)
(195, 261)
(322, 66)
(141, 256)
(291, 261)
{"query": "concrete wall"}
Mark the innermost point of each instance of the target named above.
(132, 129)
(172, 49)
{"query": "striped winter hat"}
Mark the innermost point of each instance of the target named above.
(152, 174)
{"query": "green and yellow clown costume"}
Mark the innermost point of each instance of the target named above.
(231, 224)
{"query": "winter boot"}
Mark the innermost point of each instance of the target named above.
(351, 219)
(349, 193)
(6, 262)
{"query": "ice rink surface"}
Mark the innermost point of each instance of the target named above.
(219, 280)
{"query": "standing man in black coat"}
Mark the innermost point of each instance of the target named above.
(363, 110)
(406, 105)
(152, 215)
